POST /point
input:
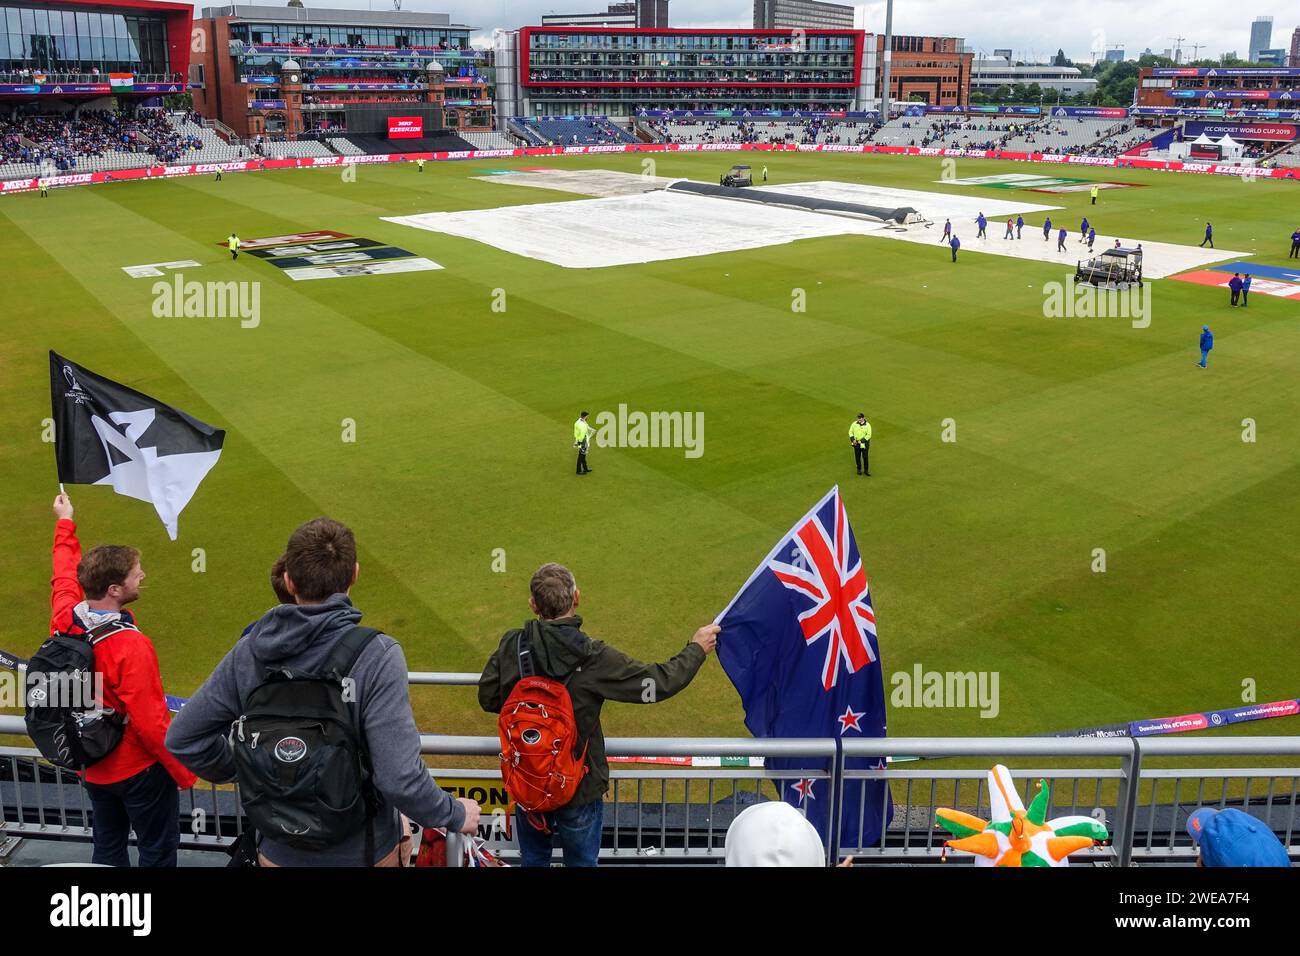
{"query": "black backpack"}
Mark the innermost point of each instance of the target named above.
(303, 770)
(70, 729)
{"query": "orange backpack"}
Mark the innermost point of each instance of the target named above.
(540, 765)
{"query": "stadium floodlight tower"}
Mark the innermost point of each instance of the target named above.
(884, 78)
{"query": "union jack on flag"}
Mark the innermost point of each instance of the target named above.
(799, 643)
(842, 612)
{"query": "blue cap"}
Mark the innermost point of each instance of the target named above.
(1205, 328)
(1231, 838)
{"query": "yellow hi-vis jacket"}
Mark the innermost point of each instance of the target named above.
(581, 431)
(1095, 190)
(233, 243)
(860, 432)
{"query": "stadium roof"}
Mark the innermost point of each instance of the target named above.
(321, 15)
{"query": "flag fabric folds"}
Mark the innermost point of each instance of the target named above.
(108, 434)
(799, 643)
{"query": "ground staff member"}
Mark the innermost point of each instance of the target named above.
(582, 432)
(860, 438)
(233, 245)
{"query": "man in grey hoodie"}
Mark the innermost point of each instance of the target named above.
(320, 567)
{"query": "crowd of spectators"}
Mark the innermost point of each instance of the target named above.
(808, 131)
(323, 76)
(79, 73)
(65, 141)
(684, 98)
(684, 76)
(937, 132)
(1112, 145)
(316, 44)
(336, 100)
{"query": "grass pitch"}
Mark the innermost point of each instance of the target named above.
(1072, 435)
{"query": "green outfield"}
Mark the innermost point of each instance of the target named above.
(1072, 435)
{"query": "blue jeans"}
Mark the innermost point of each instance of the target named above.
(1205, 354)
(577, 828)
(148, 803)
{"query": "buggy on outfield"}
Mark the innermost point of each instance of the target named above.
(737, 176)
(1113, 269)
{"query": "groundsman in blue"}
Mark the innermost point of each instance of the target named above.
(860, 438)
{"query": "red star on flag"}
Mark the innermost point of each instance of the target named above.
(804, 788)
(849, 720)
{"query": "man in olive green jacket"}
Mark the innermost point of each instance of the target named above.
(595, 673)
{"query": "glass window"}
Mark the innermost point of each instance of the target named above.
(42, 23)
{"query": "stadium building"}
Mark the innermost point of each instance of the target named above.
(634, 13)
(789, 14)
(288, 70)
(1226, 87)
(616, 72)
(931, 70)
(987, 76)
(80, 50)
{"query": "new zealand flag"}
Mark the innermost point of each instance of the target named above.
(108, 434)
(799, 644)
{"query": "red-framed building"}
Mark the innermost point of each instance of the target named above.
(617, 71)
(84, 49)
(611, 71)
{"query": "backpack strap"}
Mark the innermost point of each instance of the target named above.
(524, 648)
(106, 630)
(343, 657)
(527, 666)
(348, 649)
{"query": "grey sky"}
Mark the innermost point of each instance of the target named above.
(1031, 28)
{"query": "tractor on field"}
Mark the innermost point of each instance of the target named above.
(737, 176)
(1116, 268)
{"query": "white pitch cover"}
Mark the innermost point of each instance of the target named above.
(384, 267)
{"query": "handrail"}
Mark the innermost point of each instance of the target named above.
(1141, 826)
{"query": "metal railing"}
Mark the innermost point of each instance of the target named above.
(679, 814)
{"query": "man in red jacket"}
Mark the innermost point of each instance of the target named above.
(135, 786)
